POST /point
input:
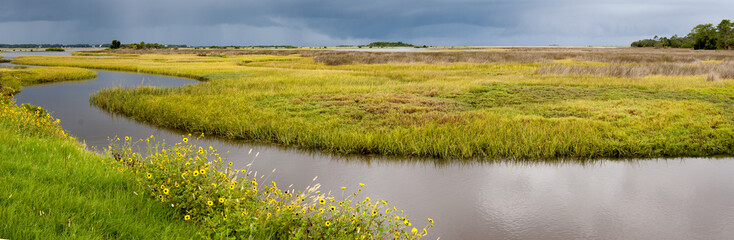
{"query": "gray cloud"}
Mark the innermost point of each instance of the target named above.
(329, 22)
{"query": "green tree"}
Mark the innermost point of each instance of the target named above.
(115, 44)
(725, 31)
(704, 36)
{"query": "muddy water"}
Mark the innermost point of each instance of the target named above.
(640, 199)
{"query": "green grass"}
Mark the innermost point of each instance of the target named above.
(12, 80)
(52, 188)
(443, 110)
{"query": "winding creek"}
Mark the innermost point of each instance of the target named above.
(607, 199)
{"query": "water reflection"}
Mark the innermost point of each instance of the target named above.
(493, 199)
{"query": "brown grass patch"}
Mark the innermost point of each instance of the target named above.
(723, 70)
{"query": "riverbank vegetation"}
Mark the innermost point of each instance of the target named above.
(12, 80)
(516, 103)
(200, 184)
(52, 188)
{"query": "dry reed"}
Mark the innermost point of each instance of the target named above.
(713, 70)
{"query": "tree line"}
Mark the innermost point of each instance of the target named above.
(389, 44)
(142, 45)
(703, 36)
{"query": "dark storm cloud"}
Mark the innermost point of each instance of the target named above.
(322, 22)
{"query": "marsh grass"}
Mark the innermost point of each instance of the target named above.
(439, 106)
(52, 188)
(12, 80)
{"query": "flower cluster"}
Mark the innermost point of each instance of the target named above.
(29, 120)
(227, 202)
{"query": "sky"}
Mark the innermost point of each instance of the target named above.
(352, 22)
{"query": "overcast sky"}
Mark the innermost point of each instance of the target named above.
(335, 22)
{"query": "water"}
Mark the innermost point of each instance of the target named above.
(642, 199)
(67, 52)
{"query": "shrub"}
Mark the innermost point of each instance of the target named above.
(54, 50)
